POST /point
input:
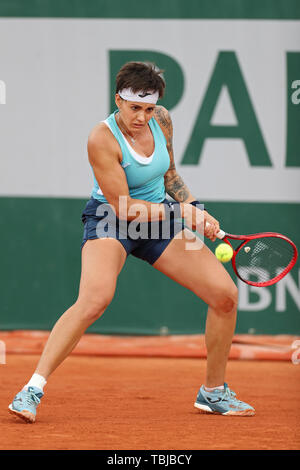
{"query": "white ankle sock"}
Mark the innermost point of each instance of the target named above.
(211, 389)
(36, 381)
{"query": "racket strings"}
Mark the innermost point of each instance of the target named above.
(263, 259)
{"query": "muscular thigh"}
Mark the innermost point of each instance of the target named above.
(102, 261)
(195, 267)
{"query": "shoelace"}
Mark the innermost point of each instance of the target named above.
(31, 399)
(230, 394)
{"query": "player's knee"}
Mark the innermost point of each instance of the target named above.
(94, 307)
(227, 301)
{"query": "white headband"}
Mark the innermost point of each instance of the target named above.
(141, 96)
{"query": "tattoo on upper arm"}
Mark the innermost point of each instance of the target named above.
(164, 119)
(163, 116)
(174, 184)
(176, 188)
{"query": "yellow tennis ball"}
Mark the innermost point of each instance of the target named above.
(224, 252)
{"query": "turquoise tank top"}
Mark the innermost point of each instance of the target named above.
(145, 175)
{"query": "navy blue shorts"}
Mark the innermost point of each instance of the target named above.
(145, 240)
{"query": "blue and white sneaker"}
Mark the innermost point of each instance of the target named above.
(222, 402)
(25, 403)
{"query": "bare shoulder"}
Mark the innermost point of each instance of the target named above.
(102, 141)
(163, 117)
(100, 135)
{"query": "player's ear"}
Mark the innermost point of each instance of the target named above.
(118, 100)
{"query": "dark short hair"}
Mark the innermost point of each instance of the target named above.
(140, 76)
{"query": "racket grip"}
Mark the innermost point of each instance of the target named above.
(221, 234)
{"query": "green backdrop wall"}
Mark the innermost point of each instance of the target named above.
(40, 274)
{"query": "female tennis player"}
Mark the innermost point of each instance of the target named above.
(132, 159)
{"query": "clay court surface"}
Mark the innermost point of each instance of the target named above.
(136, 403)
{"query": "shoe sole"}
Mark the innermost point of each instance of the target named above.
(206, 410)
(24, 415)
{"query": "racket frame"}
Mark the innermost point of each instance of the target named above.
(244, 240)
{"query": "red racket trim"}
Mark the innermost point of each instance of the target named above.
(259, 235)
(246, 238)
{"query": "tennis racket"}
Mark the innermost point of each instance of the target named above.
(261, 259)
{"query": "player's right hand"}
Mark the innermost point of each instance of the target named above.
(212, 227)
(200, 221)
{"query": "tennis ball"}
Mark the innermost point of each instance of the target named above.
(224, 252)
